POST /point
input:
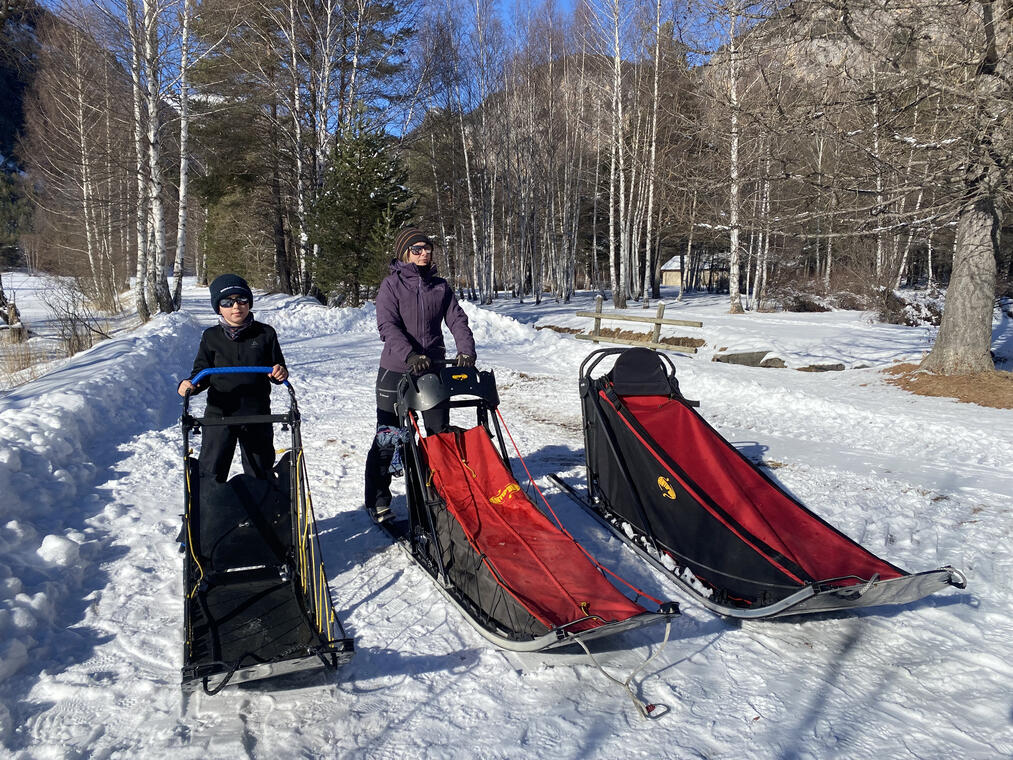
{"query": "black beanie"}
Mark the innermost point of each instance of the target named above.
(226, 285)
(408, 237)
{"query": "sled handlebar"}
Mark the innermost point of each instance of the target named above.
(233, 371)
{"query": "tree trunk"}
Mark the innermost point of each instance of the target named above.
(152, 62)
(184, 158)
(965, 335)
(141, 211)
(734, 298)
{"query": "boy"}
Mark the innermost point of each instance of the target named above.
(238, 340)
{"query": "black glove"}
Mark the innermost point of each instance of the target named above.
(418, 363)
(464, 360)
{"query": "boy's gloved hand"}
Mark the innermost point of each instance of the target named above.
(464, 360)
(418, 363)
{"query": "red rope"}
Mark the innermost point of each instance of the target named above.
(560, 524)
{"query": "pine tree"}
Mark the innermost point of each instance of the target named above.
(361, 205)
(14, 216)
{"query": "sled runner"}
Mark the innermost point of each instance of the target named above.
(256, 601)
(665, 482)
(523, 583)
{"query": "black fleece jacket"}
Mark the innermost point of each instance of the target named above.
(240, 394)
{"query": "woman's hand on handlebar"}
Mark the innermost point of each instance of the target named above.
(418, 363)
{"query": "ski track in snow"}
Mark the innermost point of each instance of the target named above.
(90, 572)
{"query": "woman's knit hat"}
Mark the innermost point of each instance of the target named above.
(408, 237)
(226, 285)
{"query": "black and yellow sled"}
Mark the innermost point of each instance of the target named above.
(256, 600)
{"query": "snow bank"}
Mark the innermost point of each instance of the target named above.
(56, 434)
(299, 317)
(498, 330)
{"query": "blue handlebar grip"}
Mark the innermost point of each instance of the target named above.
(232, 371)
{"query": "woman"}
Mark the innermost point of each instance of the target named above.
(411, 306)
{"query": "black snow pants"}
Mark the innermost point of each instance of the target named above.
(218, 447)
(380, 454)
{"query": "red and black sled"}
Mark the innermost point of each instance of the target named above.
(256, 601)
(665, 482)
(522, 582)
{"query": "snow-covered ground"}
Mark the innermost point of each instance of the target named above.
(91, 593)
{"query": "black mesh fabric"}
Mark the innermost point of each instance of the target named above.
(243, 601)
(249, 621)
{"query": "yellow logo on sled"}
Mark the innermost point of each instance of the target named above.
(460, 377)
(666, 488)
(504, 493)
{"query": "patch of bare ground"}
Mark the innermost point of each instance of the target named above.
(994, 389)
(557, 328)
(615, 332)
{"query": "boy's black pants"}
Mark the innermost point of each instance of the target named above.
(218, 447)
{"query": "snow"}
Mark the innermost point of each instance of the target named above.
(91, 591)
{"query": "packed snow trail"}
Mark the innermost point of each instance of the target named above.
(90, 458)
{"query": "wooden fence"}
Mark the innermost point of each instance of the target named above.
(653, 342)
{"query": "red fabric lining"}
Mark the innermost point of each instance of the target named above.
(750, 499)
(745, 538)
(543, 569)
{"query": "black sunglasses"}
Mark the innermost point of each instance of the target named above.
(228, 303)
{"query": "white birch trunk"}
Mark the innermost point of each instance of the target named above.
(652, 161)
(879, 178)
(617, 203)
(156, 264)
(686, 272)
(184, 156)
(141, 212)
(735, 300)
(84, 158)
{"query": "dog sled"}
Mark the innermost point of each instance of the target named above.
(522, 582)
(256, 601)
(664, 481)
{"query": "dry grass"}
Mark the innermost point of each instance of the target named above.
(20, 362)
(994, 389)
(615, 332)
(557, 328)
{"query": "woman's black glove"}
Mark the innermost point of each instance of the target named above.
(418, 363)
(465, 360)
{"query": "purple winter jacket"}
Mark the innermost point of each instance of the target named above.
(411, 305)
